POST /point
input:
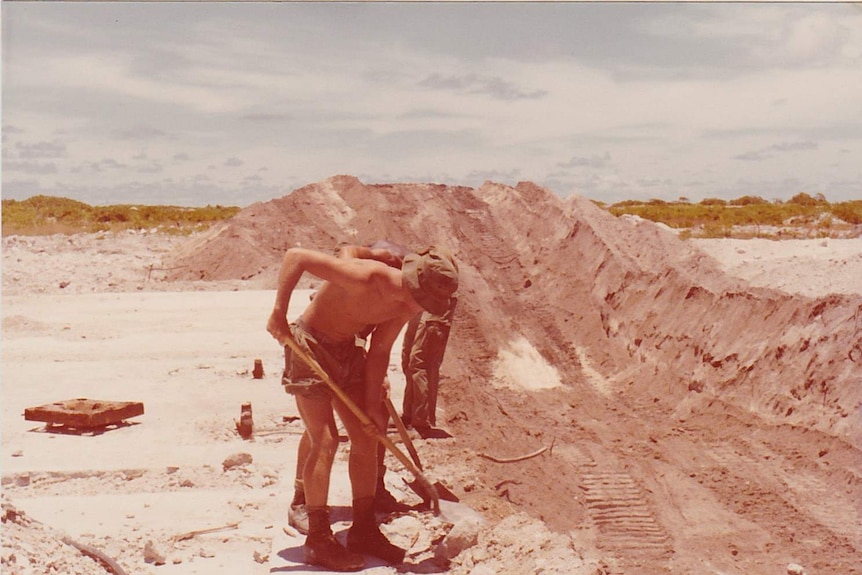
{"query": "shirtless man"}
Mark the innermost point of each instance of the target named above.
(356, 293)
(384, 502)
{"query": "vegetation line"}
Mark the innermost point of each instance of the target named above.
(47, 215)
(745, 217)
(748, 216)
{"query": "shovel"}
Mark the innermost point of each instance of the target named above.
(423, 485)
(442, 491)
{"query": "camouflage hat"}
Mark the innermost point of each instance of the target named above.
(431, 275)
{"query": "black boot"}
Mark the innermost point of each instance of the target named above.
(385, 502)
(365, 537)
(321, 547)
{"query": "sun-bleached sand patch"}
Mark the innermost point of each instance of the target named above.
(594, 378)
(341, 212)
(521, 366)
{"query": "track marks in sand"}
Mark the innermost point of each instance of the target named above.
(625, 522)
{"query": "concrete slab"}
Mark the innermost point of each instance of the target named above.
(83, 413)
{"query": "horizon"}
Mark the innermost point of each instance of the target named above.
(195, 104)
(680, 200)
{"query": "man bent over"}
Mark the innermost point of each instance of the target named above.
(356, 294)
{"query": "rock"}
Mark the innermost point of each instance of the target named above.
(153, 555)
(794, 569)
(236, 460)
(464, 534)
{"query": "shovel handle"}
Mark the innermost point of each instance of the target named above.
(402, 431)
(366, 421)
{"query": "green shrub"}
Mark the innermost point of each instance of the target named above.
(803, 199)
(717, 218)
(748, 201)
(41, 215)
(850, 212)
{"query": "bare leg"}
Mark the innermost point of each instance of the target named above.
(322, 443)
(302, 454)
(363, 453)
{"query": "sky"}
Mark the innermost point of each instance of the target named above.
(212, 103)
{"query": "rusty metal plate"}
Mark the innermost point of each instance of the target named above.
(84, 413)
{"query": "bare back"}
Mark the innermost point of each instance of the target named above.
(356, 293)
(341, 312)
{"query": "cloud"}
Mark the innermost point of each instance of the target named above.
(140, 132)
(753, 36)
(782, 147)
(793, 146)
(265, 117)
(103, 165)
(426, 114)
(9, 130)
(152, 167)
(37, 168)
(493, 86)
(591, 162)
(115, 76)
(752, 156)
(40, 150)
(655, 182)
(478, 177)
(233, 162)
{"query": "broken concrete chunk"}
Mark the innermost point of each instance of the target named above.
(464, 534)
(153, 555)
(236, 460)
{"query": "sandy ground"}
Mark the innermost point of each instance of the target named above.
(89, 316)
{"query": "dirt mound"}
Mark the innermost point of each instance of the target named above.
(655, 375)
(637, 305)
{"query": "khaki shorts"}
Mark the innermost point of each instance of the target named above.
(344, 362)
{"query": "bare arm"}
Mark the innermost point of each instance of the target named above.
(297, 261)
(377, 365)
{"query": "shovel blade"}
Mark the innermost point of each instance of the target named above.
(443, 492)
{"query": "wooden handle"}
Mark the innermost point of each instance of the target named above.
(402, 431)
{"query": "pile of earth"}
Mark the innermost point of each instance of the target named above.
(619, 302)
(611, 339)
